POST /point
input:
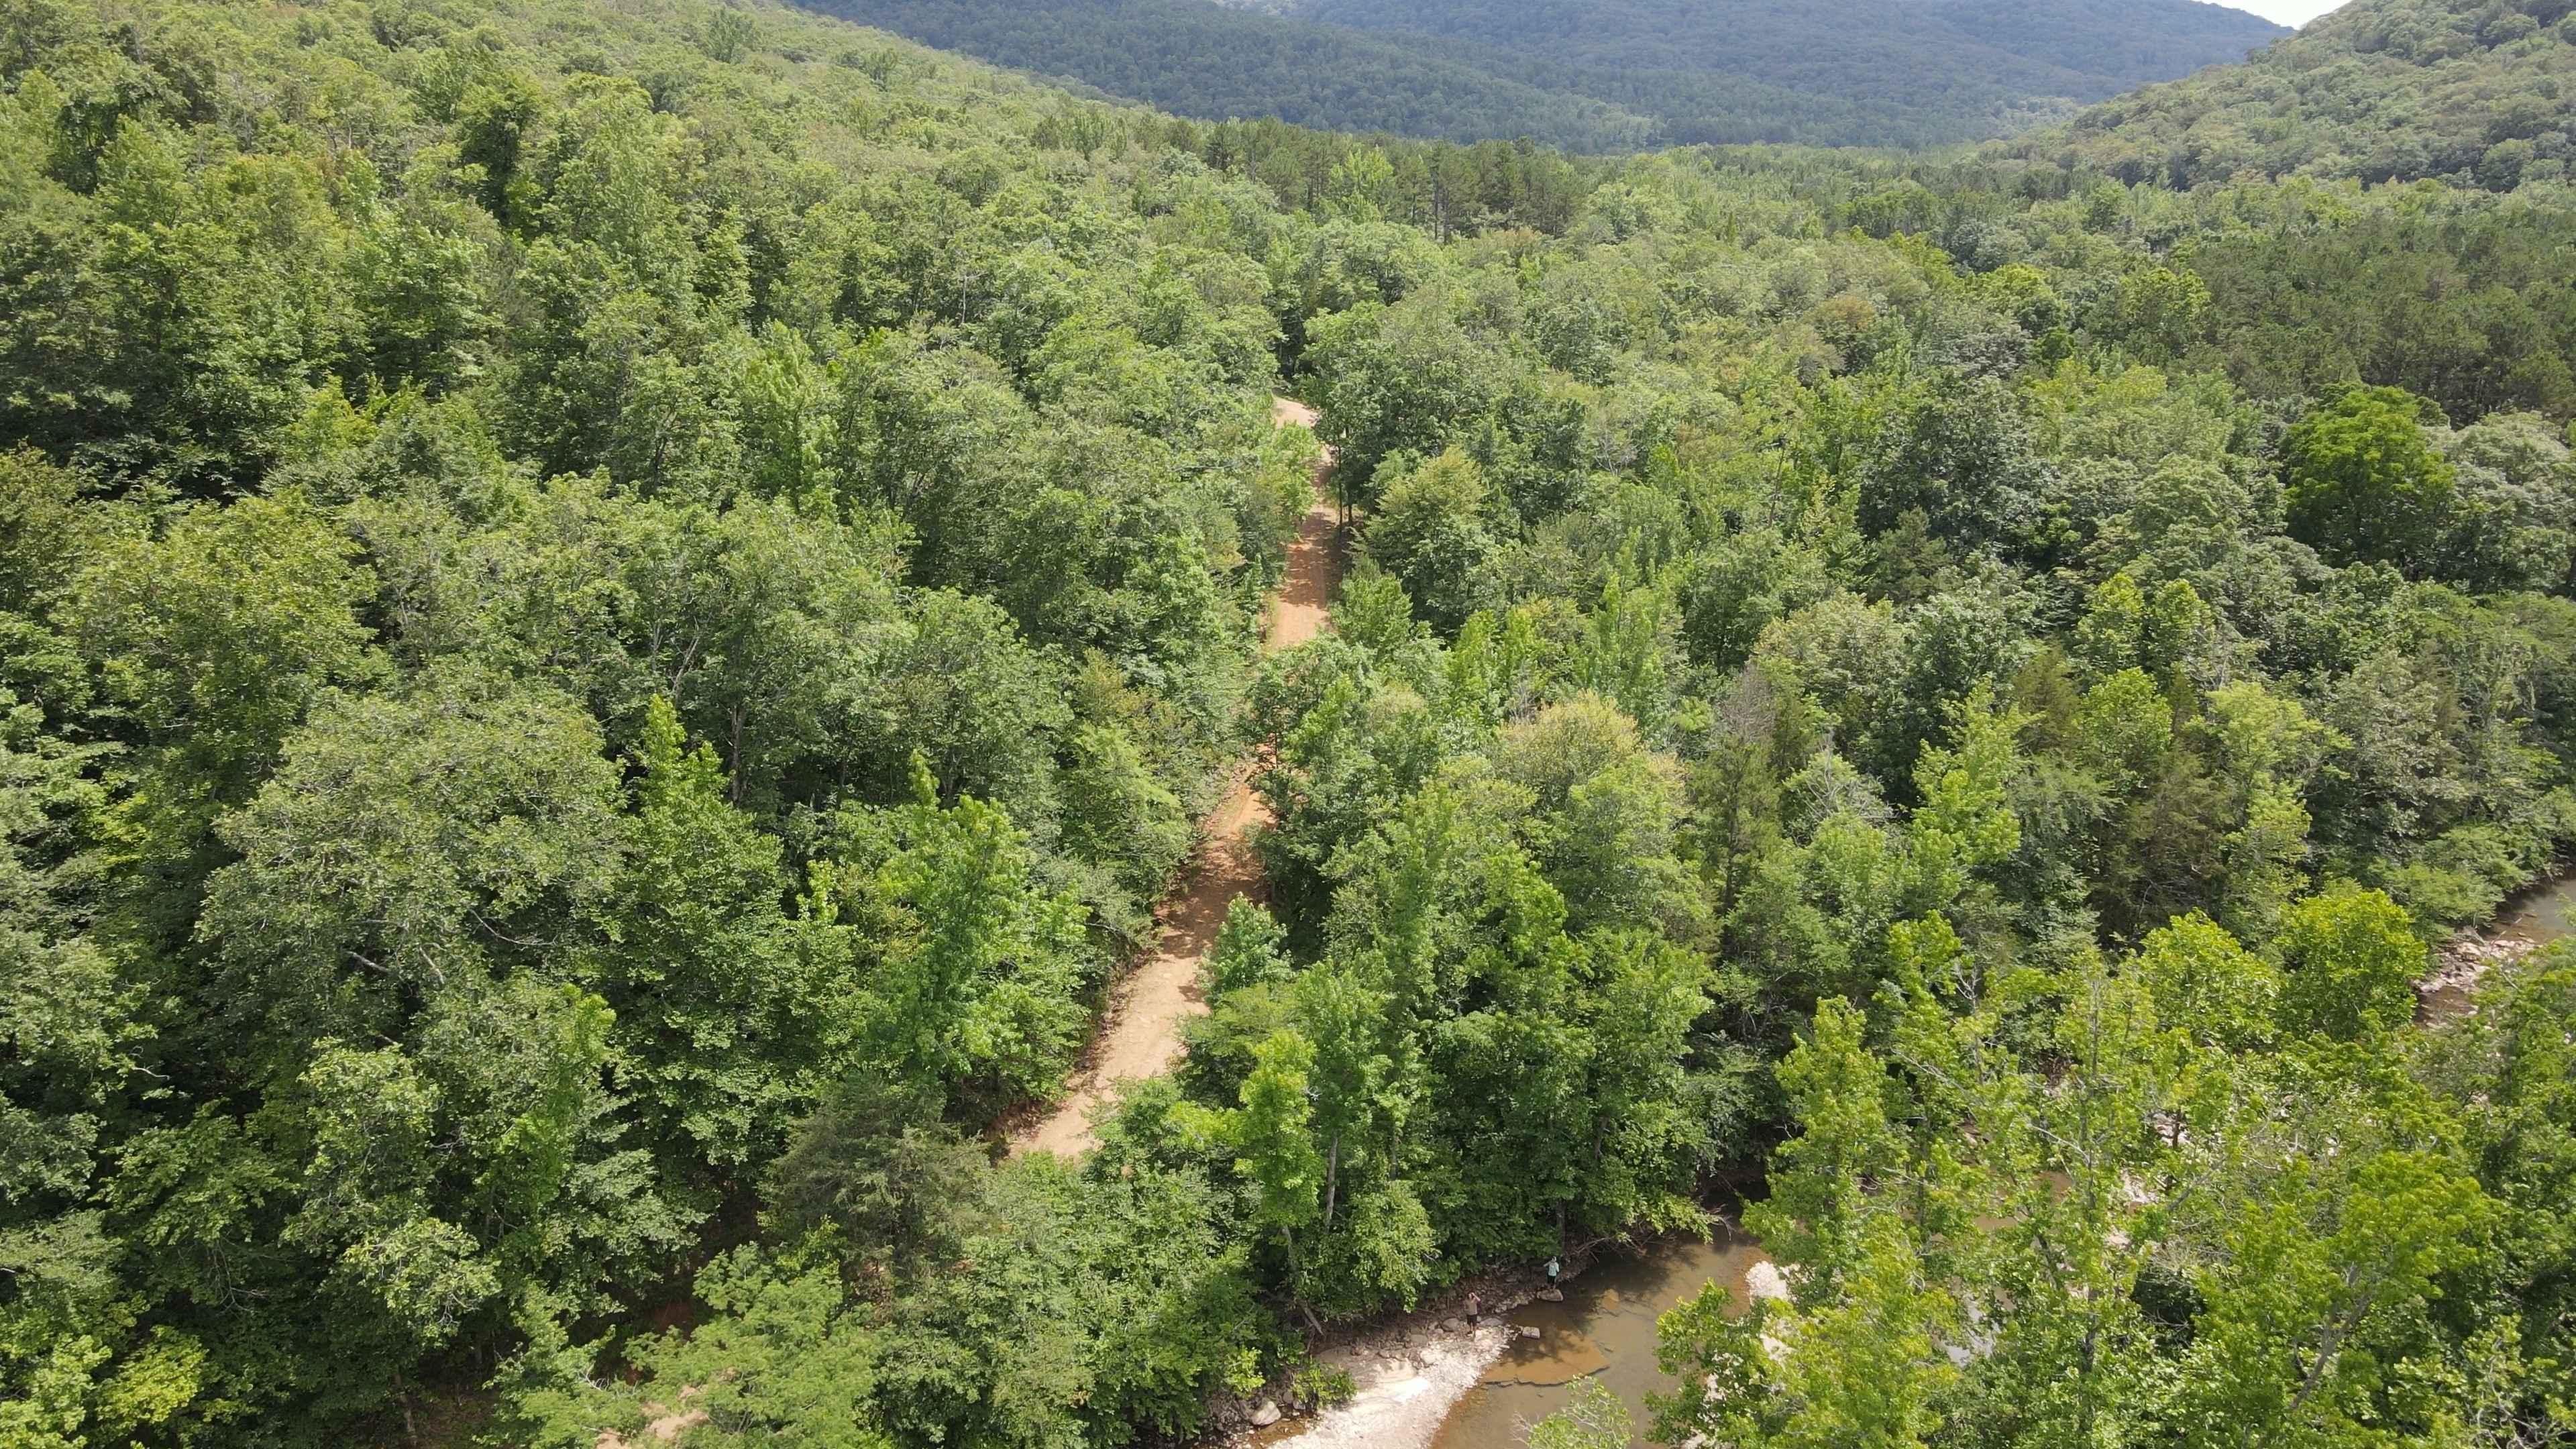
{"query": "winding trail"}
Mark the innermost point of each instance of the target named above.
(1140, 1033)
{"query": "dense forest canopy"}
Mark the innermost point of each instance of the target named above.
(2380, 89)
(1600, 75)
(615, 614)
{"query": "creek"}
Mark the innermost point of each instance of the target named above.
(1606, 1325)
(2540, 915)
(1604, 1328)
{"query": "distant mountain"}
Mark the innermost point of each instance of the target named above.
(2473, 90)
(1196, 58)
(1601, 74)
(2125, 44)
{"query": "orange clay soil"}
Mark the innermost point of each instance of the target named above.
(1140, 1035)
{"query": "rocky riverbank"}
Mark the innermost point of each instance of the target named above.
(1406, 1372)
(2459, 965)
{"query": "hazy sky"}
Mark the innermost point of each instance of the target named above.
(2287, 12)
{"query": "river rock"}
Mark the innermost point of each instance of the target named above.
(1551, 1295)
(1265, 1414)
(1453, 1325)
(1765, 1280)
(1529, 1330)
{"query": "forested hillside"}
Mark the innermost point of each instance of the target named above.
(2380, 90)
(1870, 72)
(2124, 45)
(615, 615)
(1599, 74)
(1190, 57)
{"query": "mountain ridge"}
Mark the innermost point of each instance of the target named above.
(1597, 75)
(2380, 90)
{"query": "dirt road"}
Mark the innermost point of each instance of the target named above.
(1140, 1035)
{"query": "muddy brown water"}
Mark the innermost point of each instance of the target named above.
(1606, 1325)
(2535, 917)
(1604, 1329)
(2541, 914)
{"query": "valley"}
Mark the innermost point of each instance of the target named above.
(717, 728)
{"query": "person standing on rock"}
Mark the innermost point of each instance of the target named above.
(1553, 1268)
(1475, 1312)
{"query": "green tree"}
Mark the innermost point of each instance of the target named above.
(2281, 1350)
(1428, 530)
(2511, 1072)
(1250, 949)
(2125, 629)
(73, 1037)
(2350, 961)
(1271, 1132)
(1862, 1365)
(1121, 819)
(1606, 812)
(1966, 823)
(731, 1014)
(1593, 1419)
(875, 1162)
(2208, 986)
(214, 638)
(2364, 482)
(1395, 378)
(979, 964)
(406, 843)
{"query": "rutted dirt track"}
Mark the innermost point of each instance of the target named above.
(1140, 1035)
